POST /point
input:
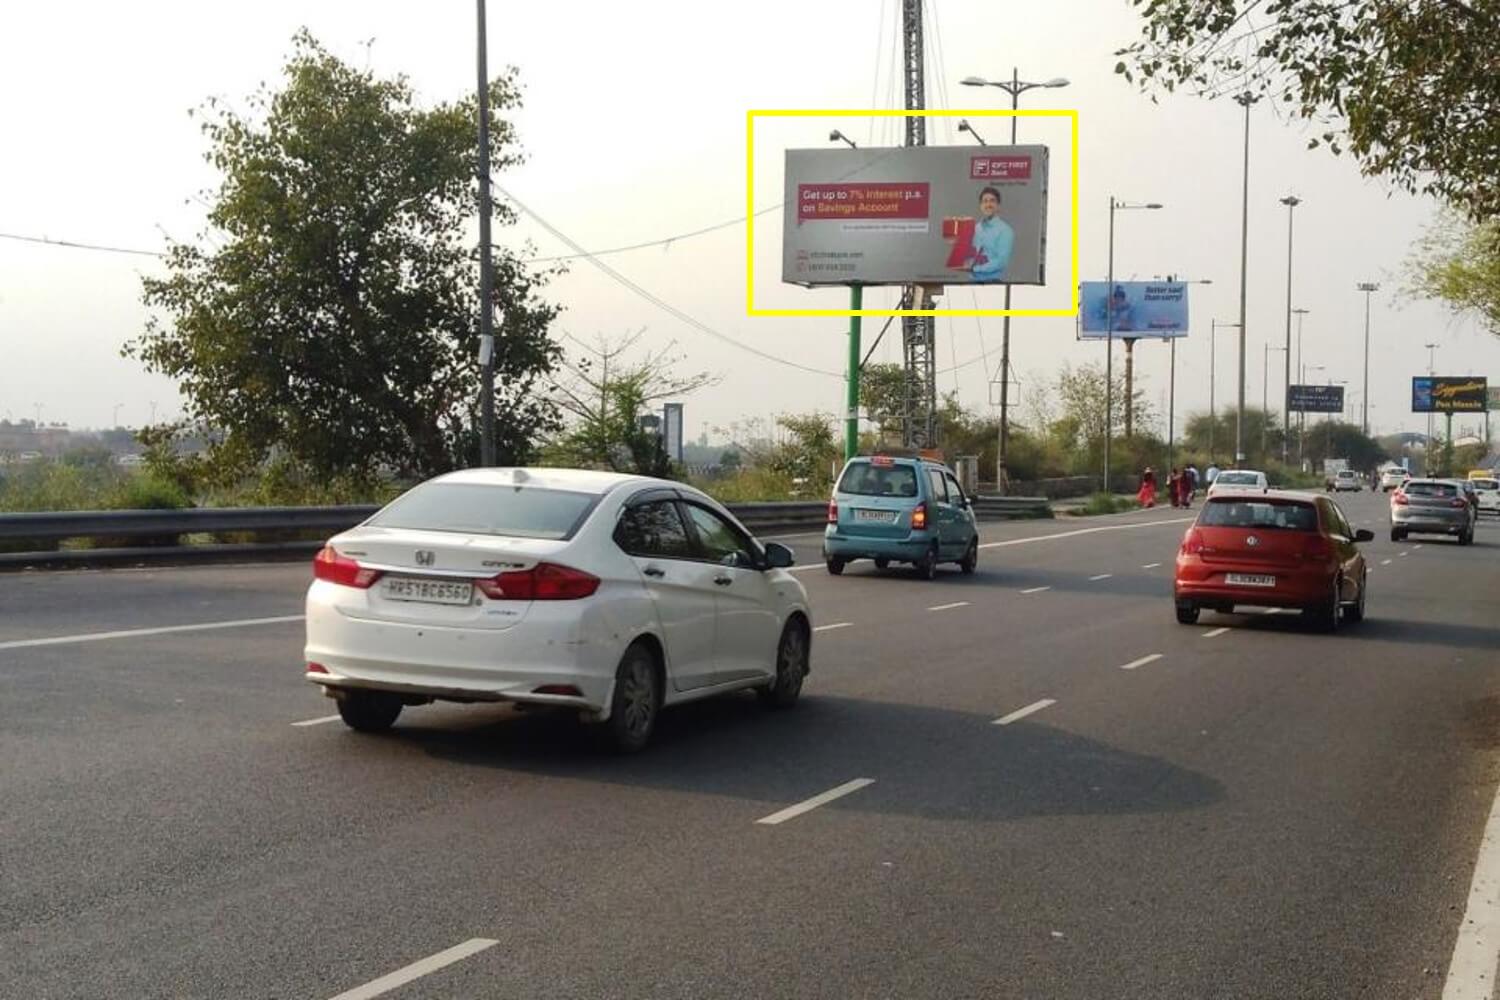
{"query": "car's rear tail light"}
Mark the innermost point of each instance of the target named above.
(543, 582)
(329, 565)
(316, 668)
(566, 690)
(1399, 499)
(833, 512)
(919, 517)
(1192, 542)
(1460, 502)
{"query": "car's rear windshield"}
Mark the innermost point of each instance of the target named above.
(1486, 484)
(1442, 491)
(870, 480)
(1288, 514)
(1346, 474)
(488, 509)
(1238, 478)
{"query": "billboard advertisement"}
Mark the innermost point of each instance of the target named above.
(672, 431)
(1315, 399)
(943, 215)
(1136, 308)
(1494, 394)
(1449, 394)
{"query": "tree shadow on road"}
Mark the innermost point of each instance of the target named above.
(928, 762)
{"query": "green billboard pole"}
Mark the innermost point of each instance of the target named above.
(851, 414)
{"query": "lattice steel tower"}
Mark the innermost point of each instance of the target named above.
(917, 331)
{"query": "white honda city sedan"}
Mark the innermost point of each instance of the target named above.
(615, 595)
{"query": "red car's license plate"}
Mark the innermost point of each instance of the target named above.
(1249, 580)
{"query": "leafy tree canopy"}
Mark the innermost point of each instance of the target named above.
(329, 314)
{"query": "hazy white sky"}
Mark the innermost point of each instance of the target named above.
(634, 127)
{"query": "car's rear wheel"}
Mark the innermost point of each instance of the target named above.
(927, 565)
(881, 562)
(791, 667)
(1397, 535)
(636, 702)
(835, 566)
(970, 560)
(1326, 615)
(1356, 612)
(369, 711)
(1187, 613)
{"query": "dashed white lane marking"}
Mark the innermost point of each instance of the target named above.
(417, 970)
(1021, 713)
(1385, 562)
(1035, 590)
(131, 633)
(1141, 662)
(317, 722)
(949, 607)
(791, 812)
(1416, 546)
(835, 625)
(1150, 565)
(1471, 972)
(1215, 632)
(1101, 576)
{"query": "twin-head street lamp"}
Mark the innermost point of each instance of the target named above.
(1369, 288)
(1291, 202)
(1015, 87)
(1109, 326)
(1244, 100)
(837, 136)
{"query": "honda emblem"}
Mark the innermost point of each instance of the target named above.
(426, 557)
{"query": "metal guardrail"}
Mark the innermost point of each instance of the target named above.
(51, 527)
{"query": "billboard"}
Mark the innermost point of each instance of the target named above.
(1449, 394)
(672, 434)
(944, 215)
(1315, 399)
(1494, 394)
(1139, 309)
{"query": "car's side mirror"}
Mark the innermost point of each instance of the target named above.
(1364, 535)
(778, 556)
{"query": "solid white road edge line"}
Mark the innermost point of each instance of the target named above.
(1141, 662)
(318, 722)
(1021, 713)
(1214, 633)
(1035, 590)
(830, 628)
(791, 812)
(949, 607)
(1150, 565)
(417, 970)
(58, 640)
(1476, 953)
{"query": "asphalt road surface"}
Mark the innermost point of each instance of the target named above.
(1242, 808)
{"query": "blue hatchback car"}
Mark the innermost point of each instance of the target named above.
(897, 509)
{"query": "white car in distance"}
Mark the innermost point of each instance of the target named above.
(1488, 491)
(610, 594)
(1239, 480)
(1347, 479)
(1392, 478)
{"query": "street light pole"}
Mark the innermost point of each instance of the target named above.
(1172, 377)
(1245, 100)
(1431, 370)
(1291, 202)
(1368, 287)
(1016, 87)
(851, 384)
(1301, 377)
(486, 263)
(1265, 403)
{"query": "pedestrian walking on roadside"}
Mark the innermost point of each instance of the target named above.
(1146, 497)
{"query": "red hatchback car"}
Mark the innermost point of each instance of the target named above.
(1287, 550)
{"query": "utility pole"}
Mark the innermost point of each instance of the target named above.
(1368, 287)
(1302, 378)
(917, 332)
(486, 263)
(1291, 202)
(1244, 100)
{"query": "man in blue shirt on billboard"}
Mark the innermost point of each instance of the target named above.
(994, 239)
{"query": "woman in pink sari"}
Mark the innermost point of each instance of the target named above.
(1147, 495)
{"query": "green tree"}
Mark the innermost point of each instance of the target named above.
(1410, 87)
(882, 392)
(1458, 263)
(605, 396)
(1081, 401)
(329, 314)
(1214, 436)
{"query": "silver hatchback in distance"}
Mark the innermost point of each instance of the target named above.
(1431, 506)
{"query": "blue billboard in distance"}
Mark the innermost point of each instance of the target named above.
(1138, 308)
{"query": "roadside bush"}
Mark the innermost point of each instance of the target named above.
(1104, 503)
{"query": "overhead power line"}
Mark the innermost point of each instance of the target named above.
(665, 241)
(666, 307)
(75, 245)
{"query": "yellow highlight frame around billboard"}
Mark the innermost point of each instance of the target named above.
(750, 117)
